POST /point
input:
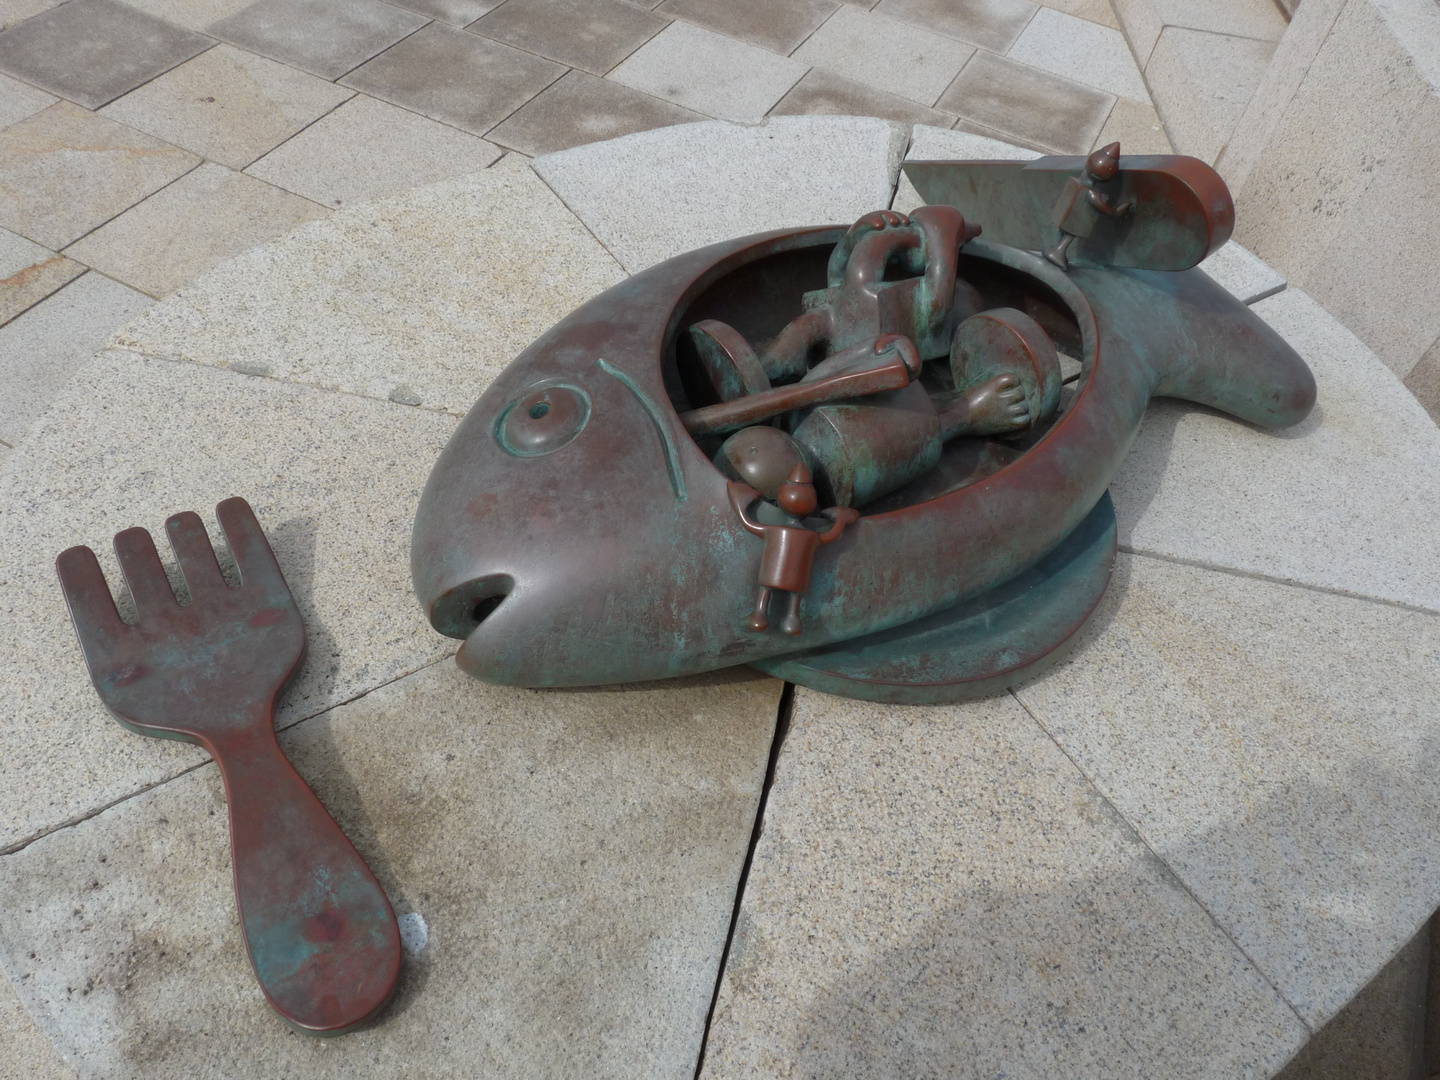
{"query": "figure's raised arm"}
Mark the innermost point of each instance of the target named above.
(741, 496)
(842, 516)
(1099, 202)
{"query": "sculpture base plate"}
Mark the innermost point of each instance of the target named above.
(979, 647)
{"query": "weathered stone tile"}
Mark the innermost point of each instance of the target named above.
(14, 11)
(574, 857)
(368, 148)
(202, 219)
(714, 75)
(425, 296)
(121, 47)
(1345, 500)
(1243, 275)
(1373, 277)
(65, 170)
(990, 24)
(1276, 747)
(324, 37)
(1289, 68)
(937, 144)
(1424, 381)
(777, 25)
(454, 12)
(725, 180)
(227, 105)
(44, 347)
(577, 109)
(1142, 25)
(1136, 127)
(455, 77)
(1201, 83)
(826, 93)
(917, 64)
(29, 273)
(1097, 11)
(29, 1055)
(970, 127)
(333, 478)
(1080, 50)
(1034, 105)
(938, 891)
(593, 35)
(193, 14)
(1244, 18)
(19, 100)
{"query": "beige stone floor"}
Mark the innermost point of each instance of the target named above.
(196, 129)
(217, 132)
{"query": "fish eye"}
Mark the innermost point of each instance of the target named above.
(542, 419)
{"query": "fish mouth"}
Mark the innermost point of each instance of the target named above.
(459, 611)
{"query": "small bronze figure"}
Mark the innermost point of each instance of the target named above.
(790, 549)
(1082, 202)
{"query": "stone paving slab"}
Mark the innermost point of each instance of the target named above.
(331, 161)
(423, 297)
(324, 37)
(573, 856)
(824, 92)
(455, 77)
(65, 171)
(44, 347)
(199, 221)
(1136, 127)
(938, 891)
(918, 65)
(1080, 50)
(92, 51)
(29, 1053)
(228, 105)
(29, 273)
(1347, 500)
(724, 180)
(1243, 274)
(1276, 746)
(19, 100)
(333, 478)
(1040, 108)
(577, 109)
(709, 73)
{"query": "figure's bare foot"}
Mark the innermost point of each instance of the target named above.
(758, 623)
(998, 407)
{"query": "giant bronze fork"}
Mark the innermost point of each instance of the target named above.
(320, 932)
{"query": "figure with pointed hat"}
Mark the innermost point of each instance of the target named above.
(790, 549)
(1084, 199)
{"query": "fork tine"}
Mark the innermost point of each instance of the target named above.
(140, 563)
(251, 550)
(191, 545)
(92, 608)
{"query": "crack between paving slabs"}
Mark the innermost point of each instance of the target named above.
(783, 716)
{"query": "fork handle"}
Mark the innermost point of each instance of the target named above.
(320, 932)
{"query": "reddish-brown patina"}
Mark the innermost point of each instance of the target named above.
(320, 932)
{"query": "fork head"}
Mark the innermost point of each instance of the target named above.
(192, 672)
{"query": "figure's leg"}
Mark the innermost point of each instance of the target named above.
(790, 624)
(1057, 254)
(758, 622)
